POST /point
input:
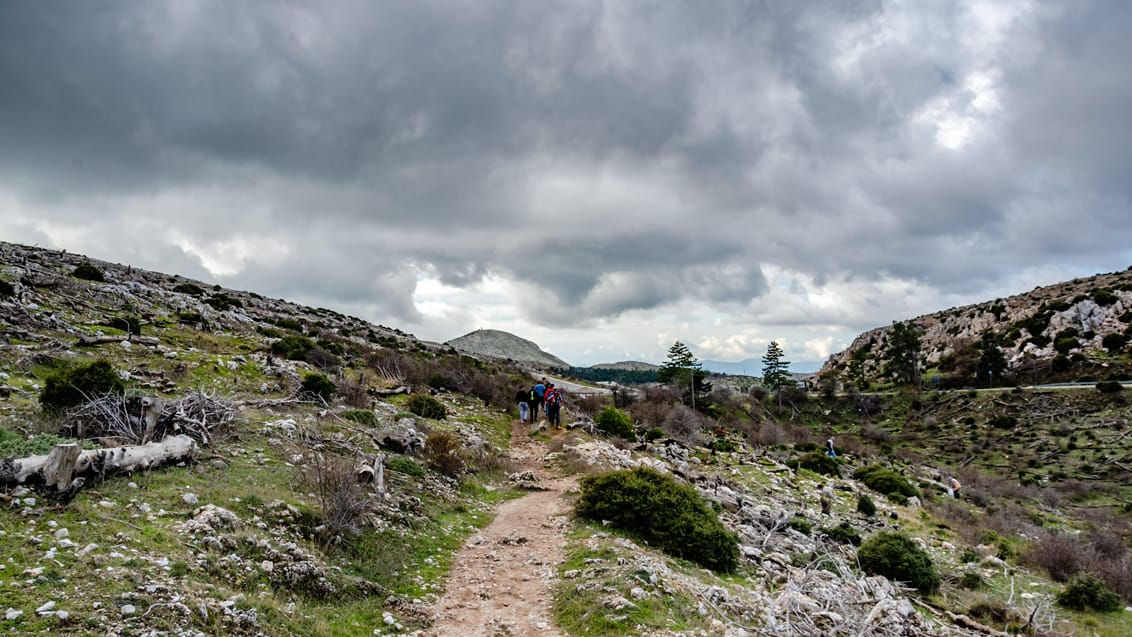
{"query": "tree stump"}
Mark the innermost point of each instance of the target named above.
(59, 468)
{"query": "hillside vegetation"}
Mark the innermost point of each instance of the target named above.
(275, 528)
(1079, 330)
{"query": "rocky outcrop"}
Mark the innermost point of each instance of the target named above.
(1027, 326)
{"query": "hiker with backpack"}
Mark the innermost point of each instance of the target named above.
(537, 393)
(553, 399)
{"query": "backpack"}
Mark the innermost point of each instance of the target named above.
(553, 397)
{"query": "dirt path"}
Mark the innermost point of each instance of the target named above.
(501, 583)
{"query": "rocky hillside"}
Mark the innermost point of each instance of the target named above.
(1075, 330)
(355, 467)
(501, 345)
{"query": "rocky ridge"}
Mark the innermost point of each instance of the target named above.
(1027, 324)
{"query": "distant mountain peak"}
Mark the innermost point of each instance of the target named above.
(505, 345)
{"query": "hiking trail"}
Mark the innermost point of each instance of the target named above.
(502, 579)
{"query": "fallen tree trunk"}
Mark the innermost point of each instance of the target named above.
(102, 340)
(67, 464)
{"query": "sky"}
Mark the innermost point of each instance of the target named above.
(602, 178)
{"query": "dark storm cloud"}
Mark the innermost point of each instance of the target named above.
(609, 156)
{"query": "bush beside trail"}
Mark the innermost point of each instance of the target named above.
(660, 511)
(895, 556)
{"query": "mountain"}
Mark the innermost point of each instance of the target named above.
(632, 366)
(746, 367)
(504, 345)
(1074, 330)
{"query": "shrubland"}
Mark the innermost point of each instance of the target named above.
(304, 548)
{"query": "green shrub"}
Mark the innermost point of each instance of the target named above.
(1104, 297)
(223, 302)
(128, 324)
(801, 525)
(818, 462)
(866, 505)
(442, 452)
(7, 289)
(192, 318)
(13, 445)
(662, 512)
(886, 481)
(75, 385)
(1086, 592)
(895, 556)
(1060, 363)
(1002, 422)
(191, 289)
(1114, 342)
(613, 421)
(362, 417)
(843, 533)
(971, 580)
(290, 324)
(1109, 386)
(87, 272)
(723, 445)
(1065, 343)
(426, 407)
(292, 347)
(406, 466)
(318, 385)
(654, 434)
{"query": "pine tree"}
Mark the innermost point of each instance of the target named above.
(684, 373)
(776, 372)
(903, 354)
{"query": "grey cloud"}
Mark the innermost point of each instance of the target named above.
(707, 139)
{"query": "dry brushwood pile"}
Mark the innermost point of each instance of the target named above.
(140, 419)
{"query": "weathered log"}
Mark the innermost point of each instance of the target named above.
(58, 468)
(102, 340)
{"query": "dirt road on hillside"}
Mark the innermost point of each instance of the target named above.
(501, 583)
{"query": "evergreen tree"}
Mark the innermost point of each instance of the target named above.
(903, 354)
(992, 362)
(776, 372)
(683, 372)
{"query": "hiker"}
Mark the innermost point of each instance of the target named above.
(553, 399)
(829, 451)
(523, 397)
(539, 390)
(953, 487)
(533, 403)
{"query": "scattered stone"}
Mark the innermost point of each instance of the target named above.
(12, 614)
(191, 499)
(128, 609)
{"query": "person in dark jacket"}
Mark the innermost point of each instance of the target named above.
(523, 398)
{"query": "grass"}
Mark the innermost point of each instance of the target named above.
(581, 603)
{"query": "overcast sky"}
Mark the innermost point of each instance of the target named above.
(600, 177)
